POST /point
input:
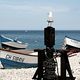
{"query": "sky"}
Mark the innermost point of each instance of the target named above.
(33, 14)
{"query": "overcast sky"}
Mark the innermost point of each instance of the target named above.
(32, 14)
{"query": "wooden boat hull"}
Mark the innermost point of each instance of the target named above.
(12, 64)
(10, 59)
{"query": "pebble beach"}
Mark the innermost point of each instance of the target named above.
(27, 74)
(17, 74)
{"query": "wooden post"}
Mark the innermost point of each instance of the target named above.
(41, 57)
(65, 66)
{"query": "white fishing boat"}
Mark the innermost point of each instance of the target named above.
(18, 58)
(71, 43)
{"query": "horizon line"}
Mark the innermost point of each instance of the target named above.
(38, 30)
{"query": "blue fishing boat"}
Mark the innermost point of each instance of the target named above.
(18, 58)
(8, 43)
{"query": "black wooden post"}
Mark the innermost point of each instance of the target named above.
(65, 66)
(49, 40)
(41, 57)
(49, 36)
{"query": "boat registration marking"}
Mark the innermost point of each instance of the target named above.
(14, 58)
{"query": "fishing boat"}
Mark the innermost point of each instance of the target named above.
(11, 44)
(71, 43)
(18, 58)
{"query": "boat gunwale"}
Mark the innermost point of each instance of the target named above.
(18, 52)
(72, 38)
(6, 44)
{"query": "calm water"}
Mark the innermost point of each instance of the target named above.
(35, 39)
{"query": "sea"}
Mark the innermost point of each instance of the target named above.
(35, 38)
